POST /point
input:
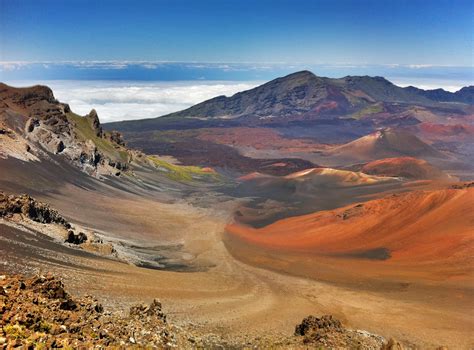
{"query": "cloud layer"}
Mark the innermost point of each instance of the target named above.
(116, 101)
(125, 100)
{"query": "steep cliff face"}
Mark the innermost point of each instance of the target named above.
(34, 125)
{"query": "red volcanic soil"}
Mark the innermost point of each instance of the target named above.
(417, 236)
(258, 138)
(407, 167)
(326, 106)
(447, 129)
(385, 143)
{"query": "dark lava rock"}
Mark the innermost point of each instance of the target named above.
(60, 147)
(31, 208)
(76, 239)
(32, 124)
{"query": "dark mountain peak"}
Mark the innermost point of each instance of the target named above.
(469, 89)
(368, 83)
(300, 74)
(303, 96)
(304, 77)
(464, 95)
(358, 79)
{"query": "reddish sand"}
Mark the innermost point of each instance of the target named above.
(427, 235)
(457, 130)
(385, 143)
(258, 138)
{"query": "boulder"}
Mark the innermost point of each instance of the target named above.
(313, 323)
(72, 238)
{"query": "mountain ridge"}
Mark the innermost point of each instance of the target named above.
(304, 96)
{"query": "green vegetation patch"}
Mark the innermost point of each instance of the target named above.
(85, 131)
(371, 109)
(15, 331)
(172, 136)
(183, 172)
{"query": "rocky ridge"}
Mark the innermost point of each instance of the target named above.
(303, 96)
(35, 125)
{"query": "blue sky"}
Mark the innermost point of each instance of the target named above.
(141, 59)
(359, 32)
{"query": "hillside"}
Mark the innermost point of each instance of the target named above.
(300, 96)
(406, 167)
(34, 127)
(431, 240)
(385, 143)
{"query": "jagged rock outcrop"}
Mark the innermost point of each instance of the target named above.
(115, 137)
(328, 332)
(74, 238)
(30, 208)
(95, 123)
(38, 125)
(313, 324)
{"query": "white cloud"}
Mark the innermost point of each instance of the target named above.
(431, 83)
(101, 65)
(124, 100)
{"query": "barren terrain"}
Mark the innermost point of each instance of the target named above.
(244, 226)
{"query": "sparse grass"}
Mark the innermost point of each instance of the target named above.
(15, 331)
(371, 109)
(86, 132)
(183, 172)
(172, 136)
(44, 327)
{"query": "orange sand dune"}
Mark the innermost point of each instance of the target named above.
(408, 167)
(385, 143)
(318, 176)
(427, 232)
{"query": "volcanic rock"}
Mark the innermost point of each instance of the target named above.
(30, 208)
(73, 238)
(313, 324)
(328, 333)
(94, 119)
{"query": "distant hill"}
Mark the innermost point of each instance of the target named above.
(464, 95)
(301, 96)
(385, 143)
(407, 167)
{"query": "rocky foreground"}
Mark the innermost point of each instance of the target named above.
(37, 312)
